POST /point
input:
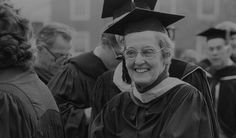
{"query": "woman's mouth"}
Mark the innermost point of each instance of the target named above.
(141, 70)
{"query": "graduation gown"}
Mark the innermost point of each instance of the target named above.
(71, 89)
(181, 112)
(27, 109)
(44, 75)
(105, 89)
(223, 86)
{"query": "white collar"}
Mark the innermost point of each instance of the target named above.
(117, 79)
(158, 90)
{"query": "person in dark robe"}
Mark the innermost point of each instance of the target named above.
(112, 83)
(27, 109)
(53, 44)
(72, 86)
(231, 28)
(158, 105)
(222, 79)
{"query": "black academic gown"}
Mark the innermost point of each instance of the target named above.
(27, 109)
(223, 86)
(71, 89)
(105, 89)
(43, 74)
(181, 112)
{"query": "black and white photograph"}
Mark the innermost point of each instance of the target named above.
(117, 68)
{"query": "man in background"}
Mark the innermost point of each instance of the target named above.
(231, 28)
(222, 79)
(72, 86)
(53, 44)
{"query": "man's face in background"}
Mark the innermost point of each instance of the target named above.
(217, 52)
(53, 49)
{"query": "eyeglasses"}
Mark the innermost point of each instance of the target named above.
(146, 53)
(48, 35)
(54, 55)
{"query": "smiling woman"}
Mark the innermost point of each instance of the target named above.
(156, 51)
(156, 105)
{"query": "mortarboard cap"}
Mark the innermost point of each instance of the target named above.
(212, 33)
(116, 8)
(142, 19)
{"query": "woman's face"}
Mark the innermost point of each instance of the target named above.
(143, 57)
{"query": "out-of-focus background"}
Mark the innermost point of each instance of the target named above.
(85, 17)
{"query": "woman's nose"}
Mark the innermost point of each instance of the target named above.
(139, 59)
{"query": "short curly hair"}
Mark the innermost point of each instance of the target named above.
(14, 38)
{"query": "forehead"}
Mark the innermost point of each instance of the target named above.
(216, 42)
(145, 38)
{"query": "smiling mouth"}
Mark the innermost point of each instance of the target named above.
(141, 70)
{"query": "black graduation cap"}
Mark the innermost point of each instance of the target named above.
(140, 19)
(212, 33)
(116, 8)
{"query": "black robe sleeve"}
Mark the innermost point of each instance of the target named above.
(198, 79)
(103, 125)
(104, 89)
(15, 121)
(68, 90)
(70, 85)
(191, 118)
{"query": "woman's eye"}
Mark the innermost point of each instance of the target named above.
(130, 52)
(148, 51)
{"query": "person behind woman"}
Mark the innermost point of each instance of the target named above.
(158, 105)
(222, 79)
(27, 108)
(53, 44)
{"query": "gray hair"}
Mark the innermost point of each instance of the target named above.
(109, 40)
(166, 43)
(48, 31)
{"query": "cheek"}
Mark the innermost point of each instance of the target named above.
(157, 67)
(129, 65)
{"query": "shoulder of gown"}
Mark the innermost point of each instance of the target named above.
(16, 119)
(19, 116)
(71, 85)
(187, 116)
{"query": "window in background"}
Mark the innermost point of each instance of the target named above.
(80, 10)
(81, 42)
(208, 9)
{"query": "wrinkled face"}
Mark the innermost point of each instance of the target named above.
(217, 52)
(143, 57)
(48, 55)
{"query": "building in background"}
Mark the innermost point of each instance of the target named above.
(85, 17)
(199, 15)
